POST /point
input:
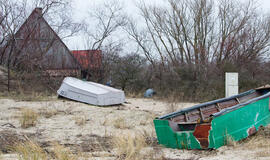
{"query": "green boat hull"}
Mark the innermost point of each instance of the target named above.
(234, 124)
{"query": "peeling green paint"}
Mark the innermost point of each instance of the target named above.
(237, 124)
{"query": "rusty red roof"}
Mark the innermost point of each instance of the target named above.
(88, 59)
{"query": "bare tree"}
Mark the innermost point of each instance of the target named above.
(102, 29)
(127, 70)
(201, 37)
(10, 21)
(193, 32)
(104, 21)
(28, 47)
(142, 38)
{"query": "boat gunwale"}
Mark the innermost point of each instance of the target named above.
(232, 108)
(173, 114)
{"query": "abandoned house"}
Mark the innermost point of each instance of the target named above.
(90, 62)
(37, 46)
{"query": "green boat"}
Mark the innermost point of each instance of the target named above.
(212, 124)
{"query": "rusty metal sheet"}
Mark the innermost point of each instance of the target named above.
(201, 133)
(252, 130)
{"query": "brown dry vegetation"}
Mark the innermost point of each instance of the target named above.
(87, 132)
(32, 151)
(62, 153)
(128, 146)
(80, 120)
(48, 113)
(127, 132)
(28, 118)
(121, 123)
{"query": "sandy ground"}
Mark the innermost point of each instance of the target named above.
(85, 128)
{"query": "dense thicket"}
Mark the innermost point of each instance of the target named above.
(190, 44)
(181, 48)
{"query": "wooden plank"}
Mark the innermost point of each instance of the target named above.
(201, 113)
(186, 116)
(237, 100)
(187, 122)
(227, 104)
(218, 108)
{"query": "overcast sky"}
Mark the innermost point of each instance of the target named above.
(82, 7)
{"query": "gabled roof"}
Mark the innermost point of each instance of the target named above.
(37, 16)
(38, 12)
(88, 59)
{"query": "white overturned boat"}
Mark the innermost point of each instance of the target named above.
(90, 92)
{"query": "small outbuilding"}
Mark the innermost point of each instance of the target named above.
(90, 62)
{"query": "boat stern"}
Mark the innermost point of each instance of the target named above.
(183, 136)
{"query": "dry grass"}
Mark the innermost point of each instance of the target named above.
(25, 86)
(149, 137)
(129, 147)
(173, 103)
(30, 151)
(80, 120)
(230, 141)
(48, 113)
(258, 144)
(172, 107)
(259, 140)
(120, 123)
(147, 119)
(144, 122)
(28, 118)
(62, 153)
(136, 146)
(28, 96)
(265, 153)
(106, 121)
(172, 97)
(135, 94)
(31, 95)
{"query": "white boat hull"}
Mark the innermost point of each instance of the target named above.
(90, 92)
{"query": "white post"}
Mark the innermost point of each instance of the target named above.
(231, 84)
